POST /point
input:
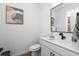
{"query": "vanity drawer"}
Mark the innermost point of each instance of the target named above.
(58, 49)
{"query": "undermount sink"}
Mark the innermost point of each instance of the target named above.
(56, 36)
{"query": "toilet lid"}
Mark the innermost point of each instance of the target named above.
(35, 47)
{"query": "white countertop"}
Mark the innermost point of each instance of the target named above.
(68, 44)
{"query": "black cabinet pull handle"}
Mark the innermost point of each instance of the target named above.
(51, 54)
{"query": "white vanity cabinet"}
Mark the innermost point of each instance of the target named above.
(47, 52)
(51, 49)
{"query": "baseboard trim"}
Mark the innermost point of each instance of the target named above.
(27, 54)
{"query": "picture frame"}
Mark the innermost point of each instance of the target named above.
(14, 15)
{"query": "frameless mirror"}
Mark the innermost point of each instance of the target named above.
(63, 17)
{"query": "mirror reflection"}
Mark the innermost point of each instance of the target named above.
(65, 17)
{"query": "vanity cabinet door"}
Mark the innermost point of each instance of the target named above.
(47, 52)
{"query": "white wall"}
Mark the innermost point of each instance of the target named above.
(17, 37)
(45, 18)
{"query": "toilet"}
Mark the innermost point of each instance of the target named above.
(35, 49)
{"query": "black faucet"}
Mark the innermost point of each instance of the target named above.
(62, 37)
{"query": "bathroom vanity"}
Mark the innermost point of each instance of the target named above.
(64, 39)
(57, 47)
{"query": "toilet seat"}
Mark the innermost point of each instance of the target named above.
(35, 47)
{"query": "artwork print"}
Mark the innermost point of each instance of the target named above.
(14, 15)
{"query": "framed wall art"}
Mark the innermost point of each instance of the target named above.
(14, 15)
